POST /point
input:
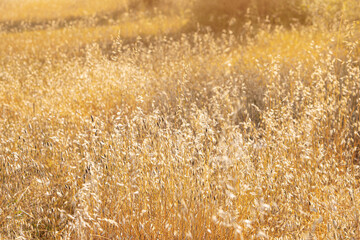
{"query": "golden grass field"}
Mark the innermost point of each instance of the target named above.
(162, 119)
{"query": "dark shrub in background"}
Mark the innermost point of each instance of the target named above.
(219, 13)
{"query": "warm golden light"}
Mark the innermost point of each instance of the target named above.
(164, 119)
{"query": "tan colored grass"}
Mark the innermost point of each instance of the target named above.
(38, 10)
(199, 136)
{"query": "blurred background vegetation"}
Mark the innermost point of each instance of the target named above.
(217, 14)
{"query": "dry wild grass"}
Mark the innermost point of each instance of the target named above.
(198, 137)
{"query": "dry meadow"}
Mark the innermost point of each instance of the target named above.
(160, 119)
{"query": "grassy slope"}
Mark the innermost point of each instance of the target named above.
(165, 140)
(40, 10)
